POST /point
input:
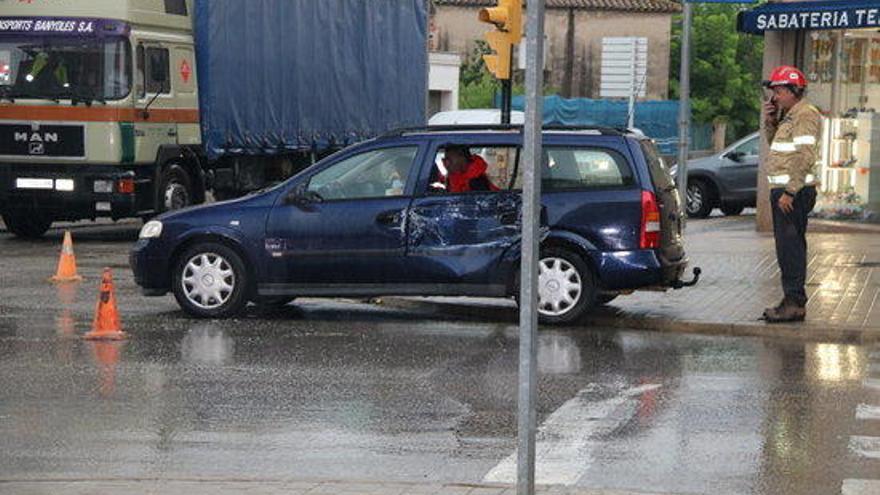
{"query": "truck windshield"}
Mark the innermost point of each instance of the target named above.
(54, 68)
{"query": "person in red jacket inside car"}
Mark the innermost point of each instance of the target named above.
(466, 172)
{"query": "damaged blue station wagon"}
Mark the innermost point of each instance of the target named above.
(377, 219)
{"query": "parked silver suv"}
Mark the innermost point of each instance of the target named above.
(726, 180)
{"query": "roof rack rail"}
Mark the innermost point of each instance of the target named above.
(501, 127)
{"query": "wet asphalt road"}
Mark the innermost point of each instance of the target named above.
(343, 390)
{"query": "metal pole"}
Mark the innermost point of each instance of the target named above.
(528, 313)
(631, 114)
(684, 114)
(506, 95)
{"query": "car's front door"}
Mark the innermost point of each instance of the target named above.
(739, 169)
(344, 225)
(457, 240)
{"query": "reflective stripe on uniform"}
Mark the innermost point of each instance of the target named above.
(805, 140)
(783, 147)
(782, 180)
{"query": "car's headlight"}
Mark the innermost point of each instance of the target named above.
(151, 230)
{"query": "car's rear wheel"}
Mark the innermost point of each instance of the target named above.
(732, 210)
(699, 199)
(210, 281)
(566, 287)
(31, 225)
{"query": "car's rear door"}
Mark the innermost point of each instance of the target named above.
(668, 199)
(348, 226)
(457, 240)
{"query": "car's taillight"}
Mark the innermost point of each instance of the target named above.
(650, 232)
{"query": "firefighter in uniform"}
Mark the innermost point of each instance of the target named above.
(793, 127)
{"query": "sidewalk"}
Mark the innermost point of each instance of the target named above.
(275, 487)
(740, 279)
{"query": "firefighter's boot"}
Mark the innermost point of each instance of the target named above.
(789, 311)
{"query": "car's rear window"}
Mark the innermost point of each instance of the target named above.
(659, 172)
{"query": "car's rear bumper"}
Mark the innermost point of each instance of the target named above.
(641, 269)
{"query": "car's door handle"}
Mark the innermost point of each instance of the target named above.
(388, 217)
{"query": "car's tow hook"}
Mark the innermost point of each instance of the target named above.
(679, 284)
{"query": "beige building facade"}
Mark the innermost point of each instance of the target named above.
(579, 36)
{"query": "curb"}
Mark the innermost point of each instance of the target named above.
(845, 227)
(616, 318)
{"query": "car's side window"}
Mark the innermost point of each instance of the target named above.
(583, 168)
(462, 169)
(373, 174)
(749, 148)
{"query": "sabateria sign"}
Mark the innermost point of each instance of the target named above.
(837, 14)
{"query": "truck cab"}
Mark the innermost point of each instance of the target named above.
(99, 111)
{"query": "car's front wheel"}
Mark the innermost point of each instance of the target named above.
(699, 199)
(210, 281)
(566, 287)
(30, 225)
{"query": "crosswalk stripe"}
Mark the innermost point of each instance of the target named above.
(865, 446)
(565, 439)
(868, 412)
(860, 487)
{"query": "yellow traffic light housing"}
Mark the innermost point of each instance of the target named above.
(507, 19)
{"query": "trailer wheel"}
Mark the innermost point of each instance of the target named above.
(31, 225)
(176, 190)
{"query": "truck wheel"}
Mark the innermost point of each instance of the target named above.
(176, 190)
(210, 281)
(566, 287)
(28, 226)
(699, 199)
(732, 210)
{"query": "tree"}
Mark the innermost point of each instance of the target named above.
(725, 69)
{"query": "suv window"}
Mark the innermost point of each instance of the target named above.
(660, 174)
(501, 165)
(584, 168)
(374, 174)
(749, 148)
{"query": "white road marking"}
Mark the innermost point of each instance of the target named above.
(865, 446)
(860, 487)
(565, 439)
(868, 412)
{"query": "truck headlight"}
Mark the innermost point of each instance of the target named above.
(151, 230)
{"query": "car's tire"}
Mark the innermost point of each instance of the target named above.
(27, 226)
(175, 188)
(732, 210)
(210, 280)
(566, 286)
(602, 299)
(699, 199)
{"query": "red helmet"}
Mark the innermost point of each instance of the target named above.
(787, 75)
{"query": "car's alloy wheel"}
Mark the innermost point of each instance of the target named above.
(699, 203)
(565, 286)
(210, 281)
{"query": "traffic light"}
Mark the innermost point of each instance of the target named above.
(507, 19)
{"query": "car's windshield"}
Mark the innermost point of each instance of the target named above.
(68, 67)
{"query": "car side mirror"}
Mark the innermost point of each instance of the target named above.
(301, 195)
(736, 156)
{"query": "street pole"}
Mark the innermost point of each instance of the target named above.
(684, 114)
(507, 94)
(531, 223)
(631, 112)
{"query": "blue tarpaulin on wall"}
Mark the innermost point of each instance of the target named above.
(657, 119)
(285, 75)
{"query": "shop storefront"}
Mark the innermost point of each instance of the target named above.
(837, 45)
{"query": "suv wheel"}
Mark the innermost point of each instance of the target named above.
(566, 288)
(210, 281)
(699, 199)
(31, 225)
(732, 210)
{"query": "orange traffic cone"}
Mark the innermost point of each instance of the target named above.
(106, 325)
(66, 271)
